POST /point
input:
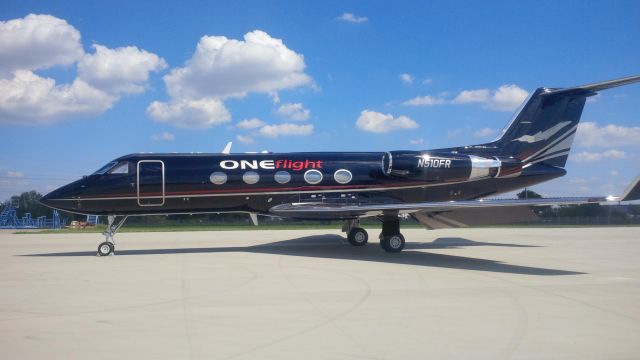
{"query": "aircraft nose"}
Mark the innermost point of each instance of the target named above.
(46, 200)
(59, 198)
(54, 198)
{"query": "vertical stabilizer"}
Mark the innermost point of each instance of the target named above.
(544, 128)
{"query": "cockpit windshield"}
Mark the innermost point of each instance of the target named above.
(114, 167)
(122, 168)
(105, 168)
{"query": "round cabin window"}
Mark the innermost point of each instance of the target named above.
(343, 176)
(313, 177)
(251, 177)
(218, 178)
(282, 177)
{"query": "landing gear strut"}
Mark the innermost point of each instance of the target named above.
(108, 247)
(391, 240)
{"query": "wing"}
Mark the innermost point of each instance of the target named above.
(339, 211)
(435, 215)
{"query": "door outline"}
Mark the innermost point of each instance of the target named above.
(138, 183)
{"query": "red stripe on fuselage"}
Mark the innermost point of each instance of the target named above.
(259, 190)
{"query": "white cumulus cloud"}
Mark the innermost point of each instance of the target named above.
(165, 136)
(597, 156)
(592, 135)
(471, 96)
(286, 129)
(427, 100)
(249, 124)
(30, 99)
(406, 78)
(293, 111)
(38, 42)
(381, 123)
(190, 114)
(352, 18)
(485, 132)
(42, 41)
(15, 174)
(223, 68)
(505, 98)
(244, 139)
(120, 70)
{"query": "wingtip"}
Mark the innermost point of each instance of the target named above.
(633, 191)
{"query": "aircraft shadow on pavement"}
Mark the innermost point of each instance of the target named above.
(335, 247)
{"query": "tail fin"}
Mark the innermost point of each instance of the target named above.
(544, 128)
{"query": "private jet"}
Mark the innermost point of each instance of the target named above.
(440, 188)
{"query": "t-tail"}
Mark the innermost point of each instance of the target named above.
(544, 128)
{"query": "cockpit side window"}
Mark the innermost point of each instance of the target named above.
(105, 168)
(122, 168)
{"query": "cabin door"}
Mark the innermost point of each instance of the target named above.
(150, 180)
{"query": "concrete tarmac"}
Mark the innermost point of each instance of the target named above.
(518, 293)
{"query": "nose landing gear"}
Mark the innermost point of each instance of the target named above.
(108, 247)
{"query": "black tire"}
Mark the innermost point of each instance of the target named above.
(392, 243)
(105, 249)
(358, 237)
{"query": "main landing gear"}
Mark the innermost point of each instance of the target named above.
(391, 240)
(108, 247)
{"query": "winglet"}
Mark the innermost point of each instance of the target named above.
(632, 192)
(227, 149)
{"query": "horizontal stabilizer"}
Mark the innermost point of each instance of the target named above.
(595, 87)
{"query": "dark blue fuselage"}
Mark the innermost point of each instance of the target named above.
(204, 183)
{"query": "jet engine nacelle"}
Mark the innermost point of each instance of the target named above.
(447, 167)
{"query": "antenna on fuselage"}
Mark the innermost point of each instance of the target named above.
(227, 149)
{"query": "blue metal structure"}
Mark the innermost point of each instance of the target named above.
(9, 220)
(93, 220)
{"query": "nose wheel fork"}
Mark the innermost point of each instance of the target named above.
(108, 247)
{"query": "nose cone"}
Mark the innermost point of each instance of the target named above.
(63, 197)
(46, 200)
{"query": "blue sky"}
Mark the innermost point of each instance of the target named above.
(342, 79)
